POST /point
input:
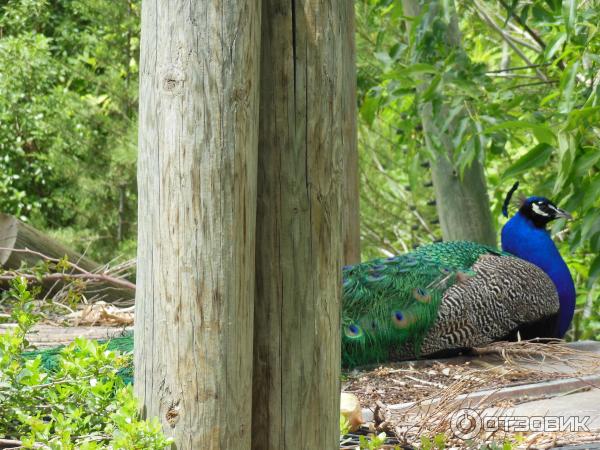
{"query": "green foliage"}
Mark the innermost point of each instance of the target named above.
(344, 426)
(373, 442)
(530, 115)
(68, 101)
(438, 442)
(82, 403)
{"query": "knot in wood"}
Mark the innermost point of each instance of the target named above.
(172, 79)
(172, 415)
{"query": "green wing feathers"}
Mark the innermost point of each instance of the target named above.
(389, 304)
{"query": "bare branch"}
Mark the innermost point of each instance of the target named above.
(105, 276)
(509, 40)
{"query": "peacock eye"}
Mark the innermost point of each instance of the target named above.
(399, 319)
(422, 295)
(353, 331)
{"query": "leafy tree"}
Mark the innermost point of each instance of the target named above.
(68, 106)
(528, 82)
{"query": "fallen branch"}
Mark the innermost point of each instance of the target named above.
(51, 277)
(63, 271)
(99, 284)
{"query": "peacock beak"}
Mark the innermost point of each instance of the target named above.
(562, 213)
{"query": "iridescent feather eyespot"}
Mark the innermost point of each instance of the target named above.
(409, 261)
(445, 270)
(353, 331)
(374, 278)
(422, 295)
(368, 324)
(399, 319)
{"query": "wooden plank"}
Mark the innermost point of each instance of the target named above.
(48, 336)
(199, 79)
(299, 224)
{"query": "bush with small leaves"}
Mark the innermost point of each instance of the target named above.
(81, 403)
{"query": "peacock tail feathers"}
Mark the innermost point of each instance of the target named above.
(428, 301)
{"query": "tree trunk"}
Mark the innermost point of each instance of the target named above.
(304, 100)
(463, 205)
(199, 80)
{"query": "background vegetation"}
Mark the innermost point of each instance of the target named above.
(522, 88)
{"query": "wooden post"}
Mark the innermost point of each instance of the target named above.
(299, 224)
(199, 80)
(351, 194)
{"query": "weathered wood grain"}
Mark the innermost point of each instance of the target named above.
(350, 192)
(303, 105)
(199, 81)
(48, 336)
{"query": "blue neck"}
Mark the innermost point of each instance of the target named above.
(521, 238)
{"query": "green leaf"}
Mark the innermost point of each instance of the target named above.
(369, 108)
(592, 193)
(569, 14)
(418, 68)
(591, 225)
(535, 157)
(432, 88)
(555, 45)
(567, 149)
(594, 272)
(542, 133)
(567, 85)
(582, 117)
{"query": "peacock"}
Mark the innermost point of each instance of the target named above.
(447, 297)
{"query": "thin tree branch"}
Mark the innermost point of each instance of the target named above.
(83, 274)
(486, 18)
(8, 276)
(510, 69)
(524, 25)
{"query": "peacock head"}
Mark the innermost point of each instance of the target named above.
(539, 210)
